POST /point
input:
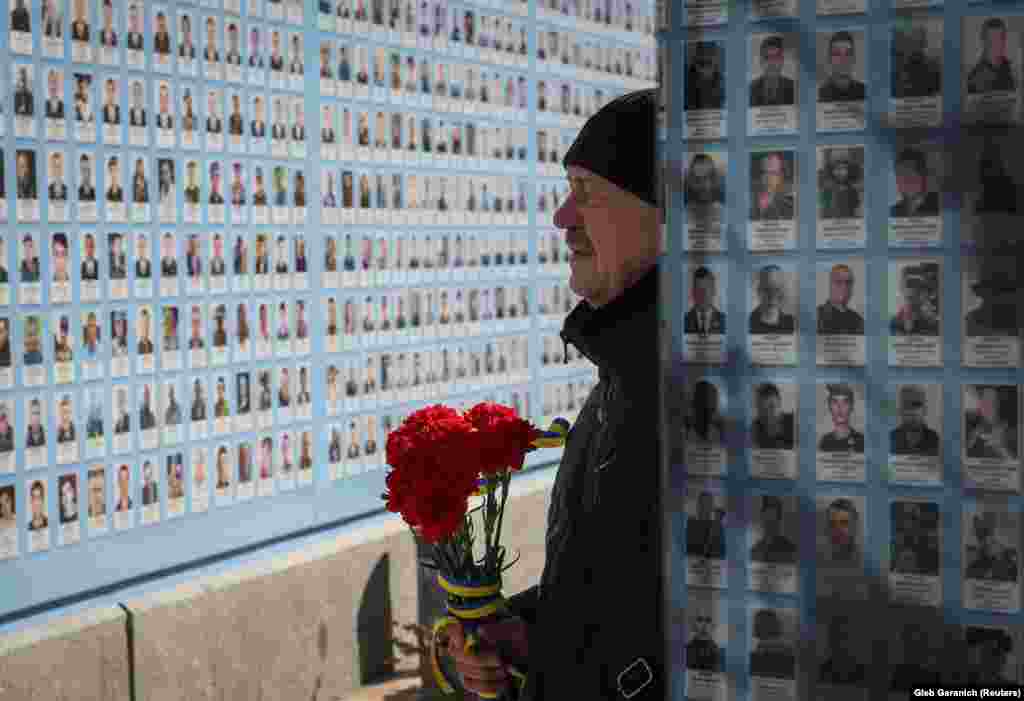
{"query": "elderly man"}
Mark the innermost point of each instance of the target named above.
(571, 643)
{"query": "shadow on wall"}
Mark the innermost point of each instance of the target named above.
(374, 643)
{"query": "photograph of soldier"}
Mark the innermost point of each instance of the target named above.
(835, 317)
(771, 186)
(841, 183)
(703, 654)
(774, 546)
(913, 183)
(705, 77)
(773, 654)
(772, 88)
(913, 436)
(704, 318)
(840, 85)
(988, 558)
(705, 531)
(915, 542)
(916, 66)
(772, 428)
(990, 422)
(918, 315)
(704, 192)
(843, 438)
(770, 315)
(705, 425)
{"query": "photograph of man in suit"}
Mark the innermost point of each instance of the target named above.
(841, 86)
(705, 79)
(198, 410)
(772, 88)
(913, 436)
(164, 117)
(258, 126)
(58, 188)
(234, 55)
(994, 71)
(214, 123)
(111, 110)
(24, 96)
(835, 317)
(186, 45)
(150, 495)
(772, 657)
(841, 405)
(26, 161)
(86, 190)
(6, 429)
(991, 427)
(29, 268)
(704, 318)
(21, 18)
(35, 432)
(705, 532)
(147, 417)
(916, 199)
(914, 72)
(140, 184)
(236, 124)
(770, 187)
(216, 197)
(115, 193)
(772, 428)
(773, 547)
(54, 94)
(769, 316)
(83, 99)
(919, 313)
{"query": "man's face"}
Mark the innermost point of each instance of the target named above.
(988, 405)
(841, 171)
(702, 181)
(772, 58)
(137, 95)
(995, 40)
(37, 503)
(30, 249)
(90, 247)
(60, 258)
(908, 180)
(702, 626)
(54, 84)
(841, 60)
(4, 333)
(841, 524)
(22, 166)
(65, 413)
(773, 173)
(707, 64)
(841, 408)
(604, 260)
(115, 172)
(167, 245)
(111, 91)
(55, 167)
(771, 289)
(704, 291)
(769, 408)
(36, 416)
(165, 97)
(840, 287)
(85, 169)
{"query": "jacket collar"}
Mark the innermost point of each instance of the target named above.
(620, 338)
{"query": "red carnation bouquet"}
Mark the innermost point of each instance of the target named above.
(441, 461)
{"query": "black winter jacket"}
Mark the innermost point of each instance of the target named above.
(596, 615)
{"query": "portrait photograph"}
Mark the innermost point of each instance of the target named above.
(36, 428)
(915, 312)
(915, 552)
(110, 112)
(21, 27)
(773, 321)
(842, 653)
(54, 108)
(84, 107)
(8, 522)
(705, 99)
(705, 538)
(704, 427)
(841, 89)
(38, 524)
(990, 303)
(28, 185)
(773, 84)
(774, 430)
(915, 209)
(774, 636)
(841, 296)
(916, 64)
(138, 114)
(992, 183)
(81, 32)
(991, 426)
(841, 419)
(915, 441)
(774, 543)
(110, 37)
(707, 636)
(8, 419)
(23, 80)
(991, 552)
(32, 343)
(704, 322)
(990, 57)
(704, 196)
(839, 546)
(841, 196)
(773, 199)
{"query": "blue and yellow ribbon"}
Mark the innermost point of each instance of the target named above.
(554, 437)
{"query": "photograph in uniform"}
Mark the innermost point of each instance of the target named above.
(705, 100)
(841, 295)
(774, 544)
(991, 308)
(915, 445)
(773, 652)
(706, 640)
(841, 92)
(774, 88)
(773, 323)
(704, 196)
(706, 552)
(915, 313)
(840, 540)
(773, 200)
(916, 63)
(990, 48)
(990, 532)
(704, 323)
(915, 212)
(841, 424)
(915, 552)
(990, 437)
(841, 196)
(773, 431)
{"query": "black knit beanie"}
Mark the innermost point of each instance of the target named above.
(618, 143)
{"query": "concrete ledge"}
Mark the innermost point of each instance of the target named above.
(84, 656)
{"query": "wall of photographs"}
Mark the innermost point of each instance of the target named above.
(845, 249)
(242, 239)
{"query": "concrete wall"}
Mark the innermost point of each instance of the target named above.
(315, 624)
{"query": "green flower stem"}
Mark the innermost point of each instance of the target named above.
(505, 479)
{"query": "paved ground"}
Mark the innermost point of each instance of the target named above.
(406, 689)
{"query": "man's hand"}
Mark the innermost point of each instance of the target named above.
(501, 644)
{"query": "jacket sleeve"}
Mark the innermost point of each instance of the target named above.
(630, 632)
(524, 604)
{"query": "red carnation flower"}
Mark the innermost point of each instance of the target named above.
(502, 438)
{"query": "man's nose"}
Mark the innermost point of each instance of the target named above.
(568, 215)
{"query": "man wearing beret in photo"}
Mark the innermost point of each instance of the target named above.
(592, 628)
